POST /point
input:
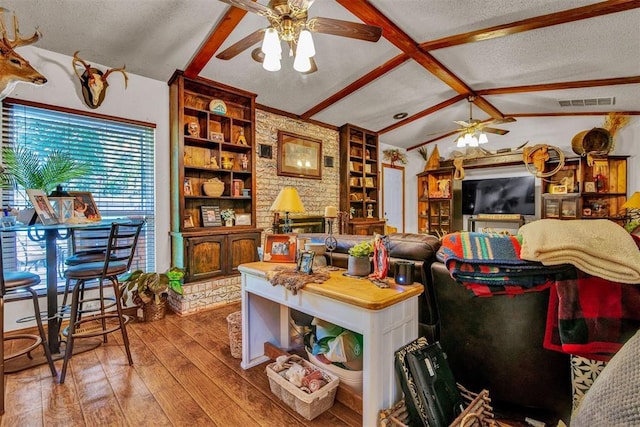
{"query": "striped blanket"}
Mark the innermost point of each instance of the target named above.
(490, 264)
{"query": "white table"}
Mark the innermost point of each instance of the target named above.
(387, 319)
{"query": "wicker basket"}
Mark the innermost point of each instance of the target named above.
(478, 412)
(309, 405)
(153, 311)
(234, 321)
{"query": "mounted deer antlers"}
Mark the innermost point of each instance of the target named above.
(94, 82)
(13, 67)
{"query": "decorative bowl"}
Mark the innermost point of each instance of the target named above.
(213, 188)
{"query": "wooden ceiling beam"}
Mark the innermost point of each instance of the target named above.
(368, 14)
(563, 17)
(229, 22)
(423, 113)
(358, 84)
(560, 86)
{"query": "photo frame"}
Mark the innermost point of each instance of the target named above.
(216, 136)
(280, 248)
(305, 262)
(188, 187)
(558, 189)
(85, 206)
(43, 207)
(243, 219)
(188, 222)
(299, 156)
(589, 187)
(211, 216)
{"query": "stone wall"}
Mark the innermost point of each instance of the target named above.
(315, 194)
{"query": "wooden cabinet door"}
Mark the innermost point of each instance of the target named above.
(242, 248)
(204, 257)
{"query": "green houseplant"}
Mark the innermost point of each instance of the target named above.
(150, 290)
(228, 215)
(359, 263)
(24, 168)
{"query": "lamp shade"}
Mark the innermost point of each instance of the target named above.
(287, 201)
(633, 202)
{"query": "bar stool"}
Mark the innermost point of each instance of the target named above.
(121, 247)
(88, 244)
(13, 283)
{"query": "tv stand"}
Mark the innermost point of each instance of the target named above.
(471, 222)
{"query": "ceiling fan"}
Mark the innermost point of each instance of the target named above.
(289, 22)
(468, 130)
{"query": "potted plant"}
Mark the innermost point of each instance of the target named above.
(359, 263)
(228, 215)
(150, 290)
(23, 168)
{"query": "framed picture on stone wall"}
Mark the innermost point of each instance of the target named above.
(299, 156)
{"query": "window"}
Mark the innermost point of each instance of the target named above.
(121, 158)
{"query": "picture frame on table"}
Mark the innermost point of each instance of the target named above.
(43, 207)
(589, 187)
(211, 216)
(299, 156)
(305, 262)
(188, 222)
(280, 248)
(84, 206)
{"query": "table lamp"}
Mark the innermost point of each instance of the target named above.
(633, 207)
(287, 201)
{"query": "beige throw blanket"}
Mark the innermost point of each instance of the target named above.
(599, 247)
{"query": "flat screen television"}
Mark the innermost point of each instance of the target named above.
(499, 196)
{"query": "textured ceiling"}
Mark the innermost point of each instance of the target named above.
(155, 37)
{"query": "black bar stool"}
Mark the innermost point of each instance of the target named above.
(14, 283)
(121, 247)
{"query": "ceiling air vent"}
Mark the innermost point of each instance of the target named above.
(587, 102)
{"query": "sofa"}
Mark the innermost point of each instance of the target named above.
(417, 248)
(495, 343)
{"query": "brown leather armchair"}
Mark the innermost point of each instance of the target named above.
(496, 343)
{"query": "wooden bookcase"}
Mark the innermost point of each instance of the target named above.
(592, 192)
(439, 202)
(212, 138)
(359, 175)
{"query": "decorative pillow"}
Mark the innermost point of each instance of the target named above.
(614, 397)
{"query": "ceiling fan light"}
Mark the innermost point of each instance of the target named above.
(302, 64)
(460, 142)
(473, 141)
(467, 139)
(305, 44)
(483, 138)
(271, 42)
(271, 62)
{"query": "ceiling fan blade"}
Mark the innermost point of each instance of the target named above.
(253, 7)
(338, 27)
(463, 123)
(504, 120)
(495, 130)
(241, 45)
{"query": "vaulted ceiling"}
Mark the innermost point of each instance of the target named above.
(518, 58)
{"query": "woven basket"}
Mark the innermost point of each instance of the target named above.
(153, 311)
(234, 321)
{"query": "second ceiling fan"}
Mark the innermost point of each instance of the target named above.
(289, 22)
(472, 133)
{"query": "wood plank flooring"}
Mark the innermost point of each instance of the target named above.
(183, 375)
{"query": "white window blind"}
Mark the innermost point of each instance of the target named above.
(120, 155)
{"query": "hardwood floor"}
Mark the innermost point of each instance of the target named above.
(183, 375)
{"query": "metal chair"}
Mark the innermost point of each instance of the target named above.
(14, 283)
(121, 247)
